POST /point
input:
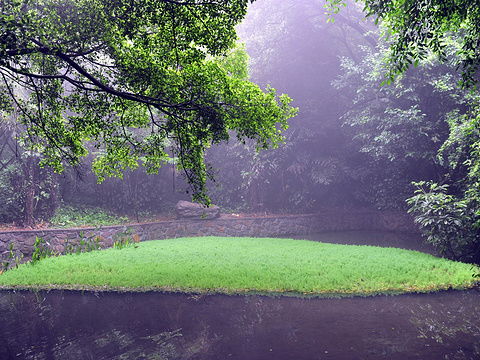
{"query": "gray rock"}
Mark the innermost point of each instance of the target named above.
(189, 210)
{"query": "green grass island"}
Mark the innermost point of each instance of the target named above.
(246, 265)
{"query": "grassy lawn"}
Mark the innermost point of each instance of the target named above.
(240, 265)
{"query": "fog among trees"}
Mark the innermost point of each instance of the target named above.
(368, 120)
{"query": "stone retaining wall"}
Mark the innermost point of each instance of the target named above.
(274, 225)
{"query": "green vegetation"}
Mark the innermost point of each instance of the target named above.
(136, 81)
(85, 244)
(418, 28)
(448, 223)
(441, 39)
(161, 83)
(69, 216)
(41, 250)
(13, 258)
(430, 140)
(244, 265)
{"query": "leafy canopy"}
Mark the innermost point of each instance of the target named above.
(131, 80)
(416, 28)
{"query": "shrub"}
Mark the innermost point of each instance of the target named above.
(12, 260)
(41, 250)
(450, 224)
(69, 216)
(85, 244)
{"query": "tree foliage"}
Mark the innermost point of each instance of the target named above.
(447, 209)
(131, 78)
(449, 223)
(417, 28)
(28, 193)
(401, 126)
(293, 48)
(451, 219)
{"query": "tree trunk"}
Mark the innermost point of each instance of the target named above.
(28, 170)
(54, 194)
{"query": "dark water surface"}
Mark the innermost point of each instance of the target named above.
(72, 325)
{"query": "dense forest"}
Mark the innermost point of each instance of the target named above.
(240, 179)
(357, 134)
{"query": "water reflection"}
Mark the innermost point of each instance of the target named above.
(72, 325)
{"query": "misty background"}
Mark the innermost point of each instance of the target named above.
(354, 144)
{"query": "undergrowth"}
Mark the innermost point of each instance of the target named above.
(69, 216)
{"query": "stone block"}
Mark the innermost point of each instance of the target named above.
(189, 210)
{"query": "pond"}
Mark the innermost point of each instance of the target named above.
(107, 325)
(72, 325)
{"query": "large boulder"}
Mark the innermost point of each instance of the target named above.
(189, 210)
